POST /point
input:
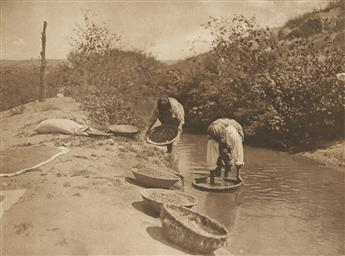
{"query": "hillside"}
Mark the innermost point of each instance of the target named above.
(20, 80)
(329, 22)
(280, 83)
(129, 73)
(275, 79)
(317, 25)
(29, 63)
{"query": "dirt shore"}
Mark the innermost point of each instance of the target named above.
(331, 153)
(83, 202)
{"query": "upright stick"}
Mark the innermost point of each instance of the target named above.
(43, 64)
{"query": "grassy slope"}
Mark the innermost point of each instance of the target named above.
(333, 18)
(20, 80)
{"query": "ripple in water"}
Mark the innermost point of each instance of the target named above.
(290, 205)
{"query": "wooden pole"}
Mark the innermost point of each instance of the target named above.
(43, 64)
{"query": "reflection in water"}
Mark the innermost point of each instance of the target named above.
(290, 204)
(227, 202)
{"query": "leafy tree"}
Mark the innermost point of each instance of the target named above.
(107, 79)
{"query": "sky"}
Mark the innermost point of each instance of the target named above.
(166, 29)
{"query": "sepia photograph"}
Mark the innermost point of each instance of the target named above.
(171, 127)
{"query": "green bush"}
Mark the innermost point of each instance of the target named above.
(285, 93)
(307, 28)
(107, 109)
(107, 80)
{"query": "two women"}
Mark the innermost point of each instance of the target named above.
(225, 137)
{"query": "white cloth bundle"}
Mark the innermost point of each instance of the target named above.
(63, 126)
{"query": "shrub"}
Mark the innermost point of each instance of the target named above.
(20, 80)
(107, 80)
(107, 109)
(307, 28)
(285, 93)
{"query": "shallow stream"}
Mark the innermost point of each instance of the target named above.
(289, 205)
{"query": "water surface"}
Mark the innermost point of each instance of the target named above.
(290, 204)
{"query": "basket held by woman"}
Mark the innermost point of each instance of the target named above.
(162, 135)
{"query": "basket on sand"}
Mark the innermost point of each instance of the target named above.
(154, 178)
(162, 135)
(192, 230)
(155, 198)
(124, 130)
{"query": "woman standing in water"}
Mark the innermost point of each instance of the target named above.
(169, 112)
(225, 146)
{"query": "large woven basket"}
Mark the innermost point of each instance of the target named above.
(155, 198)
(168, 133)
(192, 230)
(154, 179)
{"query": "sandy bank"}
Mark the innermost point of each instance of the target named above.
(330, 154)
(84, 202)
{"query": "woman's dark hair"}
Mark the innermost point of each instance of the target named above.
(216, 131)
(163, 103)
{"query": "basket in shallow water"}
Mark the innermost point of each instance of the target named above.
(155, 198)
(162, 135)
(154, 179)
(192, 230)
(220, 184)
(124, 130)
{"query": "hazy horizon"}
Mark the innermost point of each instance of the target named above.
(166, 29)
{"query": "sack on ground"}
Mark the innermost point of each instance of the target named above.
(63, 126)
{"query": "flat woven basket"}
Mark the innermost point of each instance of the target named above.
(155, 198)
(162, 135)
(156, 179)
(124, 130)
(192, 230)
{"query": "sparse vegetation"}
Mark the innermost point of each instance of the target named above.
(103, 77)
(17, 110)
(20, 79)
(281, 88)
(285, 93)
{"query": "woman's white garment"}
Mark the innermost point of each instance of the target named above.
(212, 154)
(176, 109)
(341, 76)
(234, 140)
